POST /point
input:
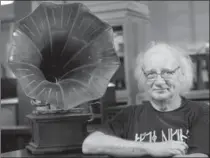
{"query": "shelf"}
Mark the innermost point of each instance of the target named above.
(198, 95)
(117, 107)
(97, 115)
(9, 101)
(16, 129)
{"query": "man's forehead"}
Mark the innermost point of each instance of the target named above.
(160, 59)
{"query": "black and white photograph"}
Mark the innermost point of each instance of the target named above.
(104, 79)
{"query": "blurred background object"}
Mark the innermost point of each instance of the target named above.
(6, 2)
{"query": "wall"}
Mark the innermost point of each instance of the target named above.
(202, 20)
(6, 12)
(3, 41)
(185, 23)
(24, 103)
(9, 14)
(17, 11)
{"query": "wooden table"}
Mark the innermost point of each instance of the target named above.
(25, 153)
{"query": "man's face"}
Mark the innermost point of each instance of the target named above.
(165, 87)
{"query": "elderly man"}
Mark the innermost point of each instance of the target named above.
(168, 125)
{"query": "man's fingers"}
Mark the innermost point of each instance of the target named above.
(182, 151)
(186, 146)
(183, 144)
(180, 148)
(178, 156)
(177, 152)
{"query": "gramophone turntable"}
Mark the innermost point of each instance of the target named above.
(63, 56)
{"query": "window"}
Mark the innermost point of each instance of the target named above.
(201, 70)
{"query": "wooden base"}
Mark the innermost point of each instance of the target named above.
(54, 133)
(39, 151)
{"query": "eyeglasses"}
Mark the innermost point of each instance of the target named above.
(165, 74)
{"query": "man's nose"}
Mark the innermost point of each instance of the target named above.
(159, 80)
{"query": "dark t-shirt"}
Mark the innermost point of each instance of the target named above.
(142, 123)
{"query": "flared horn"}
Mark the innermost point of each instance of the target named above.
(63, 54)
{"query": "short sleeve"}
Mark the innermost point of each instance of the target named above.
(118, 126)
(199, 132)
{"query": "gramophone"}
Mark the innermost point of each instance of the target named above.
(63, 57)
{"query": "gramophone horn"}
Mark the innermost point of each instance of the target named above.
(63, 54)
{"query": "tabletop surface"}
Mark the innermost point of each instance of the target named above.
(26, 153)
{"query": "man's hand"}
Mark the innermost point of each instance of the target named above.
(169, 148)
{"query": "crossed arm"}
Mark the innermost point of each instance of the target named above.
(100, 143)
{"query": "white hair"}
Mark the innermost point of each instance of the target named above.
(183, 58)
